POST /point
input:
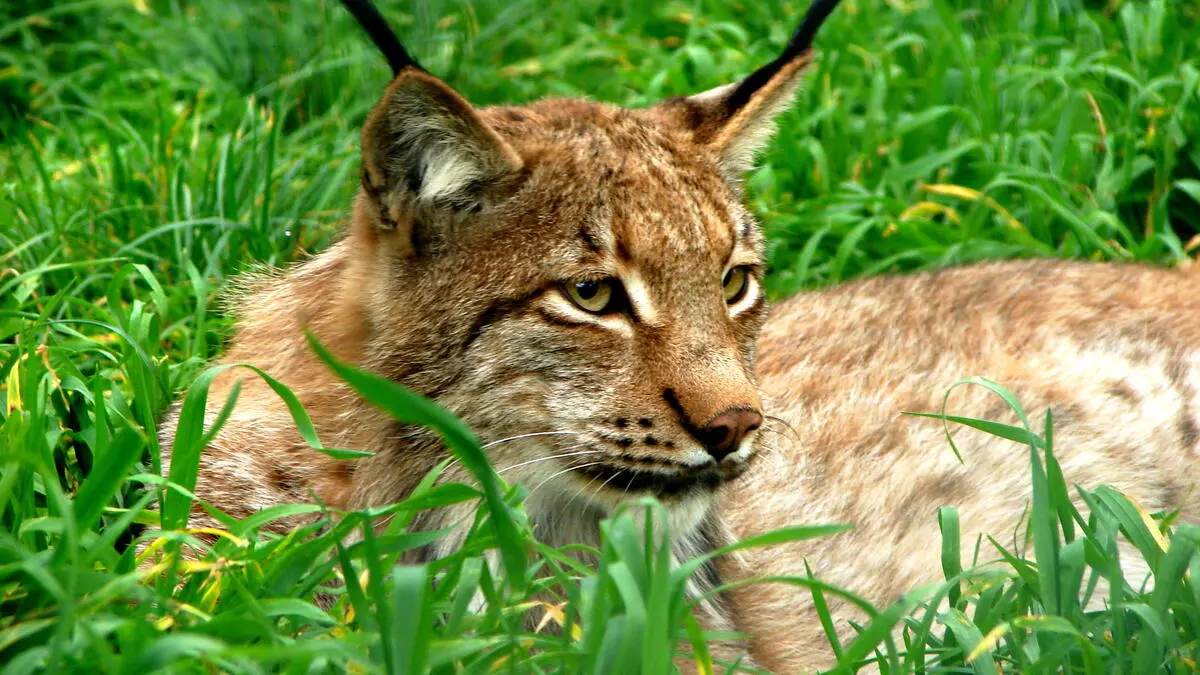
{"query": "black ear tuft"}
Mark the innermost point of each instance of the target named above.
(735, 120)
(382, 35)
(798, 47)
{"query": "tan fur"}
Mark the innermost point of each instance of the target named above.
(1111, 349)
(455, 291)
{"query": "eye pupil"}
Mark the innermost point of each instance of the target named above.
(587, 289)
(592, 295)
(735, 282)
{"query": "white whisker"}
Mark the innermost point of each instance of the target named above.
(548, 458)
(485, 446)
(536, 433)
(567, 509)
(625, 492)
(597, 490)
(557, 474)
(784, 423)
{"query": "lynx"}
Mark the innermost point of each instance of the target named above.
(584, 280)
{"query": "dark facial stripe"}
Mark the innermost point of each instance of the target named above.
(494, 312)
(708, 577)
(681, 416)
(1188, 433)
(623, 253)
(657, 483)
(1186, 424)
(550, 317)
(589, 240)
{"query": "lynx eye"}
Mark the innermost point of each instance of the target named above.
(736, 281)
(592, 295)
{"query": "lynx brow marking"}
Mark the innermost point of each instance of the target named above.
(640, 301)
(623, 253)
(589, 240)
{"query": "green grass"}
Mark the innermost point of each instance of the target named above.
(151, 150)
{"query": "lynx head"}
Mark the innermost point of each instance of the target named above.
(576, 268)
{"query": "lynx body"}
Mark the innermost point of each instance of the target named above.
(1110, 349)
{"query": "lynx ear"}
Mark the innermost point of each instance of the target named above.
(734, 121)
(425, 147)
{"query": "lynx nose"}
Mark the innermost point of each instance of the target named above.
(724, 433)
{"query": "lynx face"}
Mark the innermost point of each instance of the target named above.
(586, 278)
(618, 314)
(579, 282)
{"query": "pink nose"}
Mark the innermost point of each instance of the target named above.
(724, 433)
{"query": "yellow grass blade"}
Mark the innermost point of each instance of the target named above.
(968, 194)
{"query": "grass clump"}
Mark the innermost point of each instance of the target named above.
(151, 149)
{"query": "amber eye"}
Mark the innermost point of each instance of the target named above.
(737, 280)
(591, 295)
